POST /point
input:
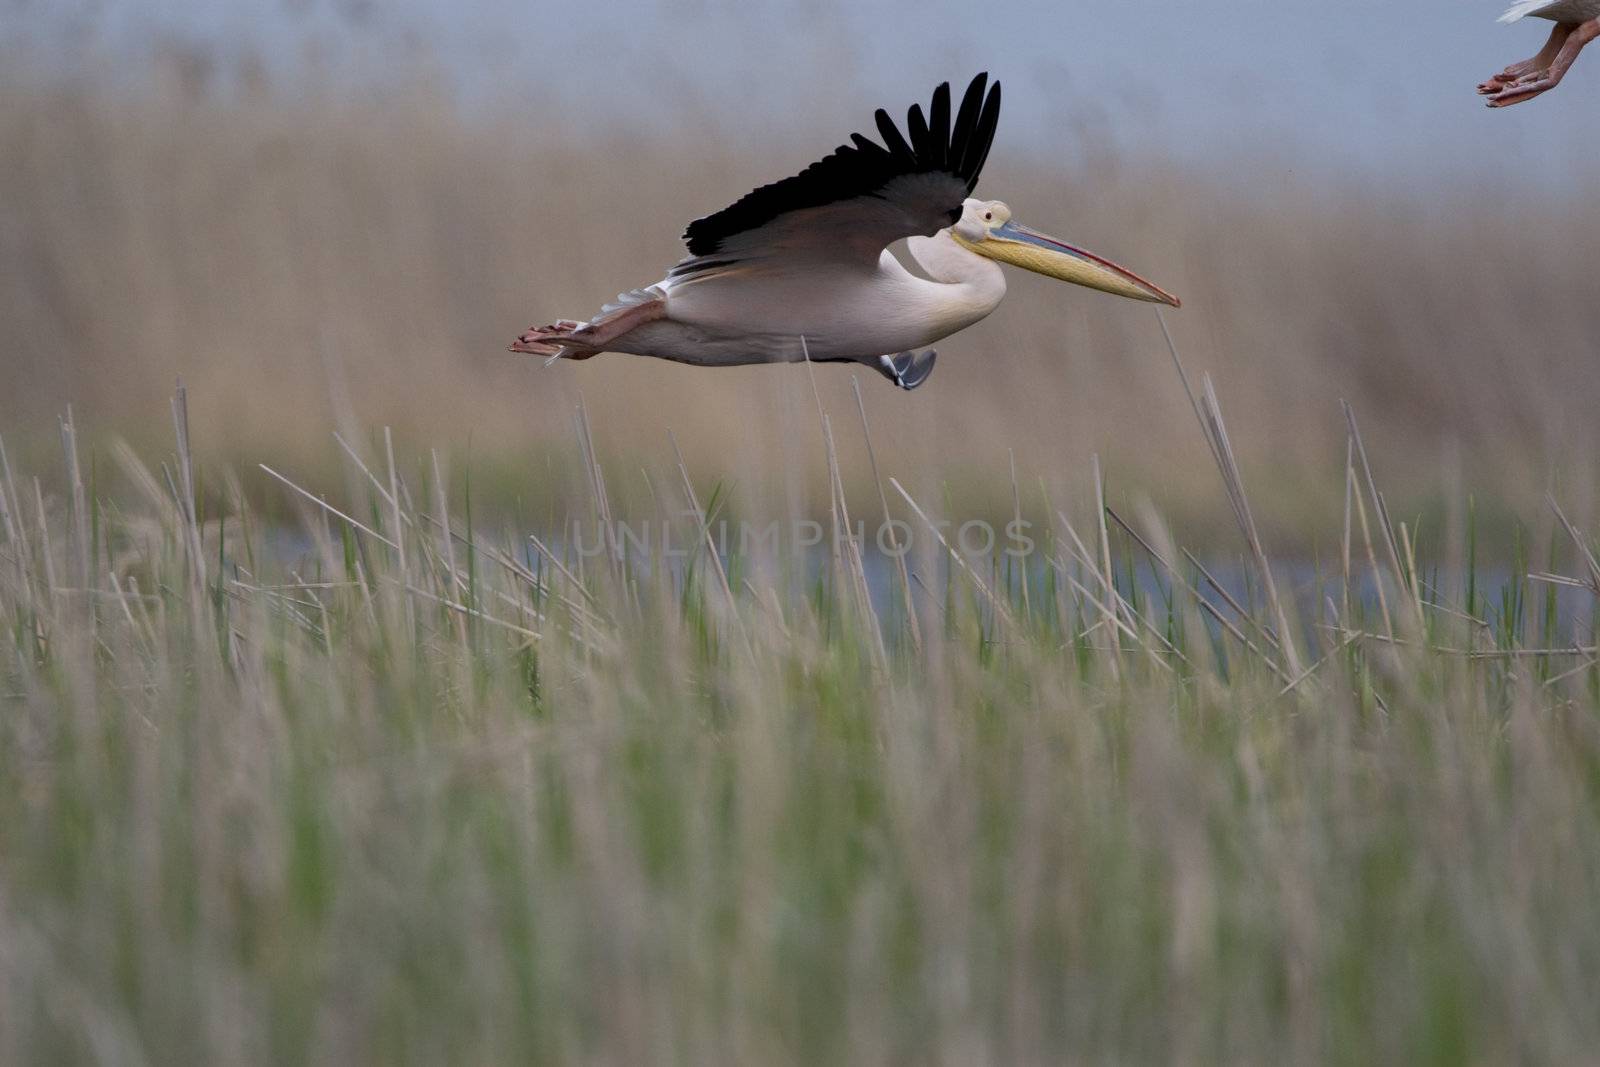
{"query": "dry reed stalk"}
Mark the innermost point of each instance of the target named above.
(1198, 598)
(355, 524)
(1209, 412)
(1344, 536)
(1247, 523)
(1266, 633)
(1115, 603)
(187, 504)
(1585, 553)
(1016, 511)
(1372, 562)
(401, 562)
(704, 522)
(1381, 514)
(912, 624)
(51, 585)
(1106, 577)
(442, 502)
(77, 502)
(16, 529)
(955, 557)
(602, 501)
(845, 552)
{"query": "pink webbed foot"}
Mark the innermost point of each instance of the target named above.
(1544, 71)
(529, 347)
(1520, 89)
(545, 340)
(1505, 77)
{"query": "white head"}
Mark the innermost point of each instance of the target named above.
(985, 227)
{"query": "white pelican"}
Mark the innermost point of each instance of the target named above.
(801, 268)
(1577, 23)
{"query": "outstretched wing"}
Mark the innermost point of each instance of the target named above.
(854, 203)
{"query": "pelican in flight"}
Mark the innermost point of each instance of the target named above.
(1577, 23)
(800, 269)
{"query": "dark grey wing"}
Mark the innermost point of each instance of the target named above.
(864, 196)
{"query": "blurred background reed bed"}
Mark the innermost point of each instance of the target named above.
(422, 788)
(309, 256)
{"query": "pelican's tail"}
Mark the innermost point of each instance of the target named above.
(631, 299)
(1523, 8)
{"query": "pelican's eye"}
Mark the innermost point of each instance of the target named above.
(988, 216)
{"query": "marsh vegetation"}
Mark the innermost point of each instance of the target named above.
(323, 740)
(422, 789)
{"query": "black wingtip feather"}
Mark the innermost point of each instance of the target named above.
(863, 145)
(966, 118)
(939, 126)
(917, 130)
(865, 167)
(983, 137)
(891, 136)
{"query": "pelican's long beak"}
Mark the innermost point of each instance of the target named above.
(1014, 243)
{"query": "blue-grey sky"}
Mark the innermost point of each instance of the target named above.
(1380, 88)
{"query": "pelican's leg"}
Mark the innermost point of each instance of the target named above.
(589, 338)
(1542, 61)
(908, 369)
(1531, 85)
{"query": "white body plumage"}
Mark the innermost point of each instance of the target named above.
(757, 313)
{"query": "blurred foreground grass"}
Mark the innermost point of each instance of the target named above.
(414, 790)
